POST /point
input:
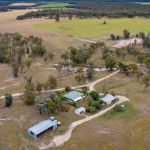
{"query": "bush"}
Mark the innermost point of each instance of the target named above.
(72, 104)
(8, 100)
(96, 105)
(90, 110)
(67, 88)
(119, 108)
(61, 97)
(94, 95)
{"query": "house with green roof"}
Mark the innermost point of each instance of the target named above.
(74, 96)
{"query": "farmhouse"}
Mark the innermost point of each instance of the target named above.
(36, 130)
(108, 99)
(80, 111)
(74, 96)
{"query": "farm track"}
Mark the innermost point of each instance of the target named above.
(61, 139)
(90, 85)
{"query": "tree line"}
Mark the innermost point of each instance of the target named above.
(93, 10)
(17, 51)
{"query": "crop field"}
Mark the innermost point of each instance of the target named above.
(92, 28)
(55, 5)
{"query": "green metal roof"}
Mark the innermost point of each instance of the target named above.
(73, 95)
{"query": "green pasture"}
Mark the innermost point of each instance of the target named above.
(92, 28)
(55, 6)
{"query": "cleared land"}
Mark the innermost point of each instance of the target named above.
(55, 5)
(22, 4)
(92, 28)
(116, 131)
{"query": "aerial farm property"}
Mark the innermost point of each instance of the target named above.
(74, 77)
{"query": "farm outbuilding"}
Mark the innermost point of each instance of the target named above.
(36, 130)
(74, 96)
(80, 111)
(108, 99)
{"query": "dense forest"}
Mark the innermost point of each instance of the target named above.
(88, 10)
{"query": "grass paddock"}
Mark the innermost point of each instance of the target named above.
(92, 28)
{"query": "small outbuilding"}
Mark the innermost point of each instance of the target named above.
(80, 111)
(36, 130)
(108, 99)
(74, 96)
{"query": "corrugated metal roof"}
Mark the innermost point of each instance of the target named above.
(108, 98)
(73, 95)
(79, 110)
(42, 126)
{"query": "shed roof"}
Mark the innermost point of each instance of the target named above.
(73, 95)
(42, 126)
(108, 98)
(80, 109)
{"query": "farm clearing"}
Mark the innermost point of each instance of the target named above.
(94, 28)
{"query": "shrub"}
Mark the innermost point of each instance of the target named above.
(72, 104)
(67, 88)
(90, 110)
(96, 105)
(8, 100)
(119, 108)
(94, 95)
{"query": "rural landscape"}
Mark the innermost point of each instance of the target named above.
(74, 75)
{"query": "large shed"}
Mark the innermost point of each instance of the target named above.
(74, 96)
(108, 99)
(41, 127)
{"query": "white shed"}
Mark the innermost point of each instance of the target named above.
(80, 111)
(108, 99)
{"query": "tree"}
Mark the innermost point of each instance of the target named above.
(45, 58)
(105, 52)
(110, 62)
(52, 82)
(65, 56)
(57, 18)
(80, 77)
(22, 66)
(139, 74)
(142, 35)
(8, 100)
(51, 56)
(119, 52)
(29, 94)
(118, 37)
(119, 108)
(67, 88)
(94, 95)
(39, 86)
(38, 50)
(45, 86)
(126, 34)
(28, 63)
(15, 69)
(42, 104)
(112, 36)
(146, 81)
(55, 105)
(90, 72)
(147, 63)
(104, 22)
(70, 17)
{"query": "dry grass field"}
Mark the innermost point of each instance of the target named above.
(128, 130)
(53, 42)
(8, 84)
(124, 131)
